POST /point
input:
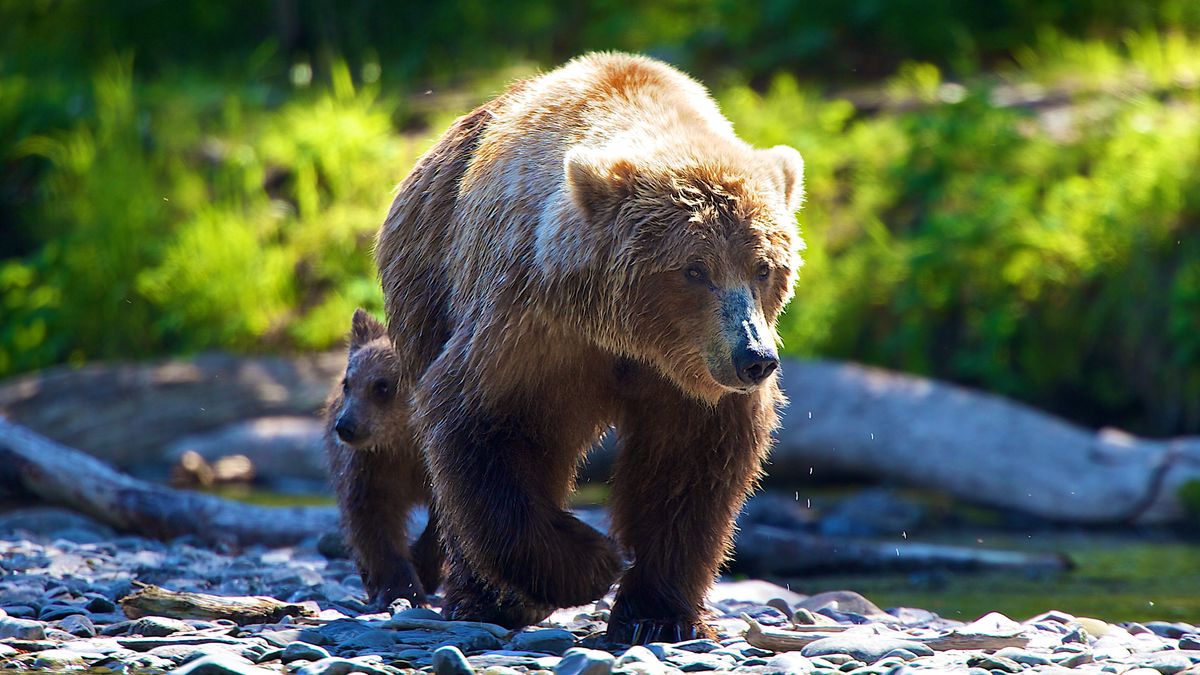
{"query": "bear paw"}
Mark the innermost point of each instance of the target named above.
(578, 566)
(474, 602)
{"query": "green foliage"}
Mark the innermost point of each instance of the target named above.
(225, 195)
(173, 228)
(1049, 255)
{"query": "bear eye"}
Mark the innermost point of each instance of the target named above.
(696, 272)
(345, 385)
(762, 272)
(382, 388)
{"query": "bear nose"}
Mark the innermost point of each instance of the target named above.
(346, 429)
(753, 366)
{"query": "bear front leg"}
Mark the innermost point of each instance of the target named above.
(683, 472)
(375, 500)
(471, 598)
(500, 482)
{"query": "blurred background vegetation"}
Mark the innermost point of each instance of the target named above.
(1002, 193)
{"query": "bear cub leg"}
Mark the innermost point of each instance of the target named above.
(378, 472)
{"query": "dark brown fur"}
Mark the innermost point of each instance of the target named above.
(378, 474)
(581, 253)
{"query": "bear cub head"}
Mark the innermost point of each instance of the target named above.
(705, 252)
(366, 411)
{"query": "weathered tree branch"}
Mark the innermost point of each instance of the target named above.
(33, 465)
(976, 446)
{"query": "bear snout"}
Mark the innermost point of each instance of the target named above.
(347, 429)
(753, 365)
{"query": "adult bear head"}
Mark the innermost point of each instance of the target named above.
(703, 253)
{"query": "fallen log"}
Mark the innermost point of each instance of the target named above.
(33, 466)
(152, 600)
(842, 418)
(982, 448)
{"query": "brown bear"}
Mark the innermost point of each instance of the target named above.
(594, 248)
(377, 471)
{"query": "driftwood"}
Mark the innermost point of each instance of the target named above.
(986, 449)
(34, 466)
(842, 418)
(766, 551)
(784, 640)
(155, 601)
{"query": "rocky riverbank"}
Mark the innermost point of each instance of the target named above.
(60, 592)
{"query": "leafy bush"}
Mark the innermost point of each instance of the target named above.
(1049, 254)
(1046, 251)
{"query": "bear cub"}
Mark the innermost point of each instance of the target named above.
(378, 473)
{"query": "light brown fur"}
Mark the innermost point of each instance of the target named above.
(595, 247)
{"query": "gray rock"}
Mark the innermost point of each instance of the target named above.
(579, 661)
(1170, 630)
(334, 632)
(101, 605)
(790, 662)
(22, 629)
(78, 625)
(302, 650)
(636, 654)
(993, 663)
(690, 662)
(701, 646)
(1075, 660)
(1077, 635)
(338, 666)
(866, 648)
(157, 626)
(899, 653)
(1023, 657)
(507, 658)
(1189, 641)
(376, 638)
(1167, 663)
(56, 612)
(450, 661)
(547, 641)
(59, 659)
(218, 664)
(18, 611)
(844, 602)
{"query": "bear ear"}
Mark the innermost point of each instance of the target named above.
(598, 182)
(788, 169)
(364, 328)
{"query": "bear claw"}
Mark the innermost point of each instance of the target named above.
(653, 630)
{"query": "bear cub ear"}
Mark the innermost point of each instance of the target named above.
(598, 182)
(787, 167)
(364, 328)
